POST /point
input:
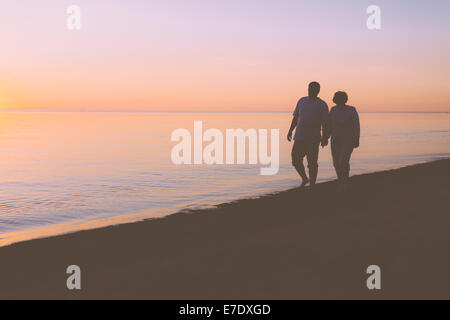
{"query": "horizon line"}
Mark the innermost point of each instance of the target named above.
(185, 111)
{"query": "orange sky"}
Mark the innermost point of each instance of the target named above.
(165, 55)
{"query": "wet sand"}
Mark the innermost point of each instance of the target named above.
(297, 244)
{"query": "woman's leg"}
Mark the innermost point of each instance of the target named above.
(335, 153)
(345, 155)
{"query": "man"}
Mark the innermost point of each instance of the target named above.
(310, 118)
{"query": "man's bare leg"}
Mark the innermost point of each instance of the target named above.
(301, 171)
(313, 170)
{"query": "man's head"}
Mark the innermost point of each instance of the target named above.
(313, 89)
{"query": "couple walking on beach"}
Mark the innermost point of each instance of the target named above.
(315, 125)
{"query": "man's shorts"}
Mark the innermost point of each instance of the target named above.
(304, 148)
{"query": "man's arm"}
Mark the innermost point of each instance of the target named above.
(356, 128)
(294, 121)
(293, 125)
(326, 126)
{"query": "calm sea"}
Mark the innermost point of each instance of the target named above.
(66, 171)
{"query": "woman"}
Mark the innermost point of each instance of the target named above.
(343, 126)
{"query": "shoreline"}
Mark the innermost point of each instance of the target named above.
(66, 228)
(291, 244)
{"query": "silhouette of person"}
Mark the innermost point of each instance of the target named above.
(344, 128)
(310, 116)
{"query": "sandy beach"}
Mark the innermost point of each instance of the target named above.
(297, 244)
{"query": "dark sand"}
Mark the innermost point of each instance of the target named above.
(312, 243)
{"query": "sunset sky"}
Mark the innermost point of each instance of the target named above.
(247, 55)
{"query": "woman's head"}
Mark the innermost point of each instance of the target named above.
(340, 98)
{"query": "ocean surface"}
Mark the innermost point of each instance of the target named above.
(66, 171)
